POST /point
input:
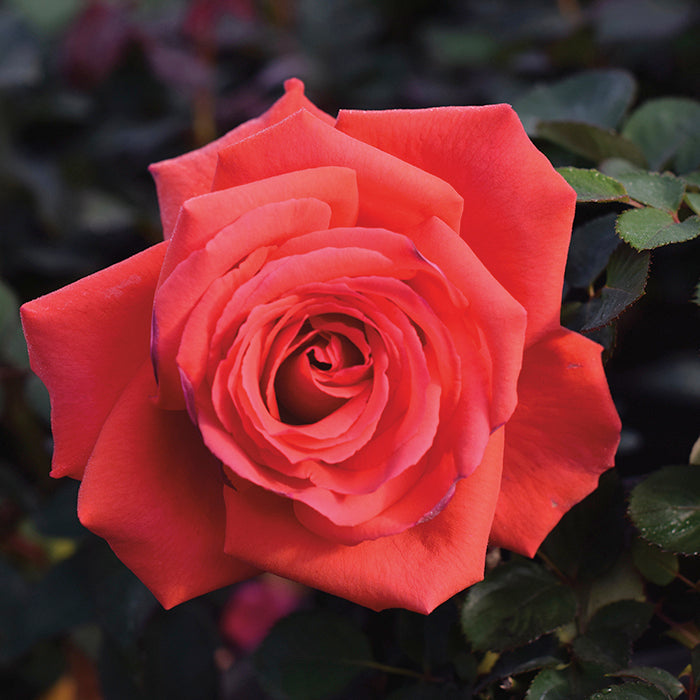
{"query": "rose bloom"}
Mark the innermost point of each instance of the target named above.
(343, 364)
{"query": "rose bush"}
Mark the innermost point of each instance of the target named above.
(343, 364)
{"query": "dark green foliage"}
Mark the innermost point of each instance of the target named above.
(666, 509)
(309, 656)
(518, 603)
(625, 280)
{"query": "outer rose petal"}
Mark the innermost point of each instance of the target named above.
(393, 194)
(86, 341)
(201, 218)
(191, 174)
(517, 210)
(417, 569)
(562, 436)
(153, 491)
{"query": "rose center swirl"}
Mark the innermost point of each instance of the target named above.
(323, 369)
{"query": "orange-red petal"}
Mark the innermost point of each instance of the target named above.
(393, 194)
(562, 436)
(86, 341)
(417, 569)
(517, 210)
(153, 491)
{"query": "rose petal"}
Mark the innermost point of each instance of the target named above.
(417, 569)
(393, 194)
(86, 341)
(249, 234)
(153, 491)
(500, 317)
(562, 436)
(191, 174)
(202, 218)
(517, 210)
(416, 495)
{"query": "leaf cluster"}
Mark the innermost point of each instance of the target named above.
(642, 167)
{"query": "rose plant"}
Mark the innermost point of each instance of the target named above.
(343, 364)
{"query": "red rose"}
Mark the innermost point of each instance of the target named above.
(343, 365)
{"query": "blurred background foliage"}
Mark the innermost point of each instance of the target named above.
(91, 92)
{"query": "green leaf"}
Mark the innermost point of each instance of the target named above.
(617, 168)
(658, 677)
(593, 97)
(692, 179)
(590, 249)
(625, 282)
(549, 684)
(590, 537)
(607, 642)
(665, 507)
(620, 584)
(649, 228)
(668, 132)
(592, 142)
(693, 201)
(629, 617)
(518, 602)
(539, 654)
(660, 190)
(310, 656)
(593, 186)
(630, 691)
(655, 190)
(575, 682)
(653, 563)
(608, 651)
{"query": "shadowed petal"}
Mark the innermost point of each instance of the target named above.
(562, 436)
(153, 491)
